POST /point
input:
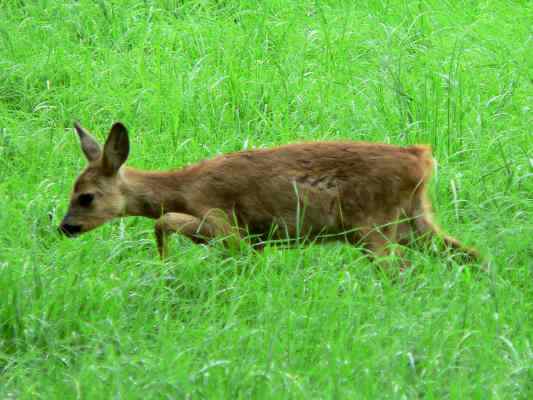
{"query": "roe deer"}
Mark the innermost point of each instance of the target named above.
(368, 193)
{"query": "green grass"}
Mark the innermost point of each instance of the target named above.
(101, 317)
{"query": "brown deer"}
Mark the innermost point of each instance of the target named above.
(367, 193)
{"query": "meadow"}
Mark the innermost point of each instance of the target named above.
(102, 317)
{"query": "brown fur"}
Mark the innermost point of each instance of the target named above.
(368, 193)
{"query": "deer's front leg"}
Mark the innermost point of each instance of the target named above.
(215, 223)
(196, 229)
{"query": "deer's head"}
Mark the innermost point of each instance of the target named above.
(97, 197)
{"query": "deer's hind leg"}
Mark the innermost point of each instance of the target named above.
(425, 228)
(380, 238)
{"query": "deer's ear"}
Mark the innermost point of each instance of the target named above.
(89, 145)
(116, 149)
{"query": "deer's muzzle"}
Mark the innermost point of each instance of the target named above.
(69, 230)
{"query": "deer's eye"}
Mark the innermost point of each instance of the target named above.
(86, 199)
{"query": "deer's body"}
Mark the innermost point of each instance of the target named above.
(308, 189)
(367, 193)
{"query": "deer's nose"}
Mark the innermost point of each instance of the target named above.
(69, 230)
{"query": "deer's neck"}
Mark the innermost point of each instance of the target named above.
(152, 194)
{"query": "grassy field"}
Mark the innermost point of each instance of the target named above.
(101, 317)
